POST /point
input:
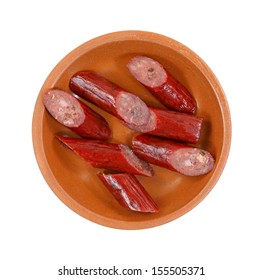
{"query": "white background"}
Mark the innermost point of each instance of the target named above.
(39, 234)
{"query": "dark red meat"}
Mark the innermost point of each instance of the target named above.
(169, 91)
(127, 107)
(129, 192)
(173, 125)
(175, 156)
(74, 114)
(106, 155)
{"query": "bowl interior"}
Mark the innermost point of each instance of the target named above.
(75, 182)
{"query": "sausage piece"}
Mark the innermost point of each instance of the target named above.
(129, 192)
(127, 107)
(173, 125)
(161, 84)
(175, 156)
(74, 114)
(101, 154)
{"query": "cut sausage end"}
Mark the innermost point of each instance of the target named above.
(132, 109)
(192, 161)
(147, 71)
(142, 166)
(169, 91)
(64, 107)
(101, 154)
(147, 127)
(129, 192)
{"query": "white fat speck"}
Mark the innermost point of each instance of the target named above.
(68, 122)
(62, 103)
(201, 158)
(188, 163)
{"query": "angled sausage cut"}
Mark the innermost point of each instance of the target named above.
(174, 125)
(169, 91)
(175, 156)
(127, 107)
(74, 114)
(129, 192)
(102, 154)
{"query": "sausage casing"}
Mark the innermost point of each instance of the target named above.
(184, 159)
(168, 90)
(126, 106)
(74, 114)
(129, 192)
(101, 154)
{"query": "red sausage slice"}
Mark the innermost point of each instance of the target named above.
(162, 85)
(74, 114)
(101, 154)
(124, 105)
(173, 125)
(178, 157)
(128, 191)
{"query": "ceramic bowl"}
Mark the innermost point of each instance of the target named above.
(75, 182)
